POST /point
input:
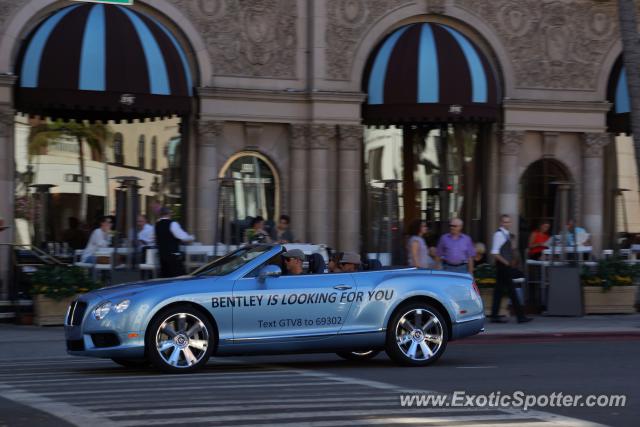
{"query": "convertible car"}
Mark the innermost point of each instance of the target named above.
(244, 304)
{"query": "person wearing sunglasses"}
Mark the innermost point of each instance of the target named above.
(455, 250)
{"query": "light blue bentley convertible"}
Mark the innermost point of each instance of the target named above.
(243, 304)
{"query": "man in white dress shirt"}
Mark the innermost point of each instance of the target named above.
(146, 234)
(504, 255)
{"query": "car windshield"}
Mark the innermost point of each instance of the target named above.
(231, 262)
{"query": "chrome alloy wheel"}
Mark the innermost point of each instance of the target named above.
(419, 334)
(182, 340)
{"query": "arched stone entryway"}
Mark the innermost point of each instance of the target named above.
(538, 193)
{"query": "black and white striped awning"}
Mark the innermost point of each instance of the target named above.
(95, 61)
(618, 119)
(426, 73)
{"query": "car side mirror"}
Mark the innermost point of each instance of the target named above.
(269, 271)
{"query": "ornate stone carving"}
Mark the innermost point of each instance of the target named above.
(594, 144)
(7, 9)
(299, 136)
(320, 135)
(350, 137)
(549, 142)
(209, 131)
(510, 142)
(347, 23)
(247, 37)
(6, 121)
(437, 7)
(552, 43)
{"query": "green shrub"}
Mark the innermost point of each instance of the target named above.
(61, 281)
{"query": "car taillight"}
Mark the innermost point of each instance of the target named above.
(475, 287)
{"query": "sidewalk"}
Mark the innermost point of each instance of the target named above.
(612, 325)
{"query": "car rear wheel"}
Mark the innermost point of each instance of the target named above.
(132, 363)
(358, 355)
(180, 340)
(417, 335)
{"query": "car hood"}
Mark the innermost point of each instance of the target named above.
(129, 289)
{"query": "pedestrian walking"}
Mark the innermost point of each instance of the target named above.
(504, 254)
(417, 250)
(455, 250)
(169, 236)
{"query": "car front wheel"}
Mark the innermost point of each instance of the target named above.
(417, 335)
(180, 340)
(358, 355)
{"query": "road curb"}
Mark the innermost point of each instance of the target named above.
(551, 336)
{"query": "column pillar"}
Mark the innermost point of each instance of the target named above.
(7, 190)
(209, 136)
(318, 179)
(593, 186)
(349, 174)
(299, 145)
(510, 143)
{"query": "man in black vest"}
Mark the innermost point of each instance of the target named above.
(502, 251)
(169, 236)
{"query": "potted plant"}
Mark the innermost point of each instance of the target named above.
(53, 288)
(609, 288)
(485, 276)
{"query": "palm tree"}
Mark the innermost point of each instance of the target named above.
(631, 53)
(95, 135)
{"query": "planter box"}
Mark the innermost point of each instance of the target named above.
(487, 300)
(50, 312)
(617, 300)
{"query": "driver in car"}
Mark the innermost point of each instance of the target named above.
(293, 260)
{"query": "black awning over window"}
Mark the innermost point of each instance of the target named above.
(618, 119)
(95, 61)
(429, 73)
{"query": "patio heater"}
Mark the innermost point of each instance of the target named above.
(129, 184)
(389, 222)
(43, 192)
(564, 294)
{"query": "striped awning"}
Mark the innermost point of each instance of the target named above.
(619, 117)
(429, 73)
(95, 61)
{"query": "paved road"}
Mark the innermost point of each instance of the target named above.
(320, 390)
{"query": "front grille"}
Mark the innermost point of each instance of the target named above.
(105, 339)
(75, 345)
(76, 313)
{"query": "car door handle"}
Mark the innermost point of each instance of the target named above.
(342, 287)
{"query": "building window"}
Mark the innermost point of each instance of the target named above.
(141, 149)
(252, 188)
(154, 154)
(118, 153)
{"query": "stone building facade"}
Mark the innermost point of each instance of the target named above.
(284, 78)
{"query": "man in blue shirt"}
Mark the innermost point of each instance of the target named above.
(455, 250)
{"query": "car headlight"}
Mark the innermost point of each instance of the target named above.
(121, 306)
(102, 310)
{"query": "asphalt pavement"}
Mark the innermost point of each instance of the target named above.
(41, 386)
